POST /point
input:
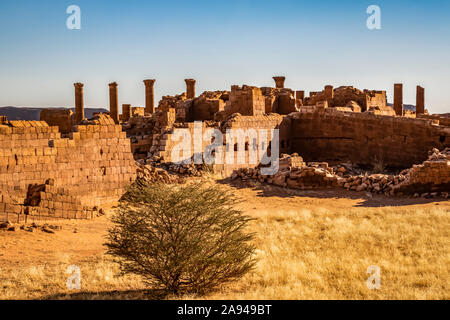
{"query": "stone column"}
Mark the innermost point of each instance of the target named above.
(79, 102)
(329, 92)
(149, 96)
(113, 102)
(398, 99)
(126, 112)
(420, 100)
(190, 88)
(279, 82)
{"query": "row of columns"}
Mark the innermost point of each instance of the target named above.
(398, 95)
(398, 99)
(114, 101)
(190, 94)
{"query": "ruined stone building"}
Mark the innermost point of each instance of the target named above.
(66, 166)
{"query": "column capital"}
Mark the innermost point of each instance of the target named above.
(113, 84)
(279, 81)
(190, 81)
(149, 82)
(78, 85)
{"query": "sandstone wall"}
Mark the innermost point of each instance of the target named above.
(74, 175)
(268, 122)
(365, 138)
(341, 96)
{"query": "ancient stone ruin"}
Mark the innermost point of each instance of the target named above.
(66, 166)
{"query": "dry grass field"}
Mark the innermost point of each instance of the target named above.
(311, 245)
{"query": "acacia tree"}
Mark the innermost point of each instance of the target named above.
(183, 238)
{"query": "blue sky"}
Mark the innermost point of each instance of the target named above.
(220, 43)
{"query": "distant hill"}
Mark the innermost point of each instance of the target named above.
(23, 113)
(409, 107)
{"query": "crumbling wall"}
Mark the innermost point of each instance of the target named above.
(236, 121)
(89, 169)
(62, 118)
(341, 96)
(365, 138)
(440, 119)
(207, 105)
(279, 100)
(246, 100)
(431, 176)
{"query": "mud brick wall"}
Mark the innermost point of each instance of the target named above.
(364, 138)
(92, 166)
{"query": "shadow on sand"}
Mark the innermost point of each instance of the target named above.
(365, 198)
(151, 294)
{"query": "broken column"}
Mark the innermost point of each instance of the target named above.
(398, 99)
(190, 88)
(149, 96)
(126, 112)
(79, 102)
(113, 102)
(279, 82)
(420, 100)
(329, 92)
(299, 97)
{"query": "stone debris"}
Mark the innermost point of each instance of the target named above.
(433, 174)
(46, 228)
(150, 174)
(428, 178)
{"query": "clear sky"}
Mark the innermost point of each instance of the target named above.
(220, 43)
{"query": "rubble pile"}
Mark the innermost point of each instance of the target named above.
(430, 179)
(151, 174)
(171, 101)
(375, 183)
(294, 173)
(11, 227)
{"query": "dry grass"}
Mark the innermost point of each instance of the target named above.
(324, 254)
(307, 249)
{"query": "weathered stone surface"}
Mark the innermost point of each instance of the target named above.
(46, 175)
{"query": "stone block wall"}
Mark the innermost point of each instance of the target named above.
(89, 169)
(62, 118)
(204, 108)
(268, 122)
(341, 96)
(247, 101)
(365, 138)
